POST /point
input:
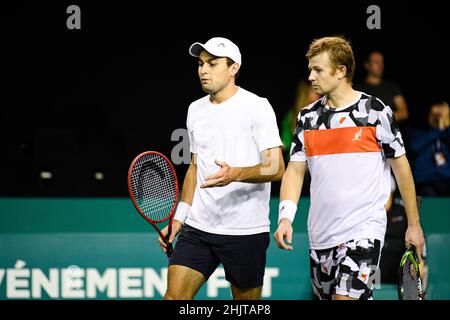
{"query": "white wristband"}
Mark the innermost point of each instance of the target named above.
(182, 212)
(287, 209)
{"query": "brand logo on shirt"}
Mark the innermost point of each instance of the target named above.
(364, 277)
(357, 135)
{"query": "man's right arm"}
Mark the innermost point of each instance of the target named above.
(187, 196)
(190, 182)
(291, 187)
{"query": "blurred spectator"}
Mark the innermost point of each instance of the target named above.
(387, 91)
(305, 95)
(431, 147)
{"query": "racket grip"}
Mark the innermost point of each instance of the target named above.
(169, 249)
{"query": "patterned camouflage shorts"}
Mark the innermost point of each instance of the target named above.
(348, 269)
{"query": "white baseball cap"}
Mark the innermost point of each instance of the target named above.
(220, 47)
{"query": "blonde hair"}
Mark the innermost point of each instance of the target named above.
(339, 50)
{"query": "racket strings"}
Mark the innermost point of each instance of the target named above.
(153, 186)
(409, 278)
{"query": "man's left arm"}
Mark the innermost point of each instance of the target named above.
(270, 169)
(403, 176)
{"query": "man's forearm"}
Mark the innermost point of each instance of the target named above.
(292, 183)
(256, 174)
(291, 188)
(405, 182)
(270, 170)
(189, 184)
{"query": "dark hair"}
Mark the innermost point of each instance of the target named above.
(369, 55)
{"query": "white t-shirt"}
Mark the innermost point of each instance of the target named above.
(234, 131)
(347, 150)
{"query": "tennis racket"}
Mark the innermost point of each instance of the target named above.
(153, 189)
(410, 283)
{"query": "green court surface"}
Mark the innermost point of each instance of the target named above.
(111, 251)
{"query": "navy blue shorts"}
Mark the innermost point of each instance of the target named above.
(243, 256)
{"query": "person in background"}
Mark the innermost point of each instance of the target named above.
(431, 147)
(387, 91)
(305, 95)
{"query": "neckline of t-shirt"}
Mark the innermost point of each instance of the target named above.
(218, 105)
(346, 106)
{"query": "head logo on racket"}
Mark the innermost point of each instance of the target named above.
(153, 189)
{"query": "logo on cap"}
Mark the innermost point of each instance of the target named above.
(221, 45)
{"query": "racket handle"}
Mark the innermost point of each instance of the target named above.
(169, 250)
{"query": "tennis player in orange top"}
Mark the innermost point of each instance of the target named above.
(349, 140)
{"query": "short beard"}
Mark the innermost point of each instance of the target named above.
(208, 90)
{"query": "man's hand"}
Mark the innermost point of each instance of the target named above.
(405, 182)
(224, 176)
(176, 227)
(414, 235)
(284, 231)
